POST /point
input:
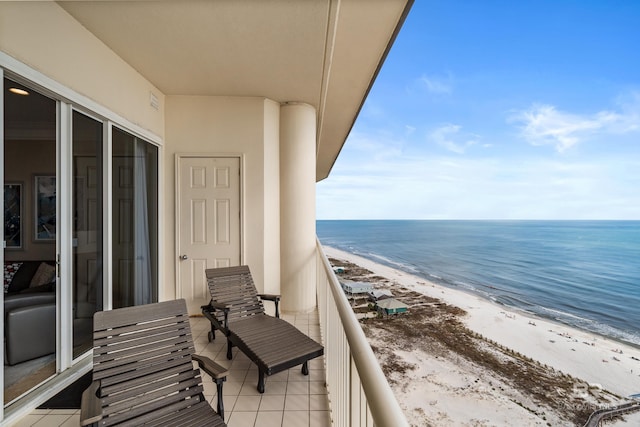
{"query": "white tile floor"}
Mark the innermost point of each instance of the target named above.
(290, 398)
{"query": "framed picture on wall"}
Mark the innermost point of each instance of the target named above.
(45, 207)
(13, 215)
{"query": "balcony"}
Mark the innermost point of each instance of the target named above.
(356, 391)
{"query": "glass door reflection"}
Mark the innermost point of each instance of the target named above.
(87, 228)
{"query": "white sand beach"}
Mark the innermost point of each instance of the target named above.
(455, 392)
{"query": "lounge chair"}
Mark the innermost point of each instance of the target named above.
(143, 372)
(236, 310)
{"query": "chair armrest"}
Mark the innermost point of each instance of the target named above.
(219, 375)
(210, 367)
(91, 407)
(219, 306)
(274, 298)
(209, 309)
(222, 307)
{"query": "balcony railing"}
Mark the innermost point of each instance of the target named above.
(359, 394)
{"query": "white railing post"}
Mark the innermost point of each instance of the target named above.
(359, 394)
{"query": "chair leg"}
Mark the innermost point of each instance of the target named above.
(212, 334)
(260, 380)
(219, 382)
(305, 368)
(229, 347)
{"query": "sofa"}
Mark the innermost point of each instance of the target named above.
(29, 310)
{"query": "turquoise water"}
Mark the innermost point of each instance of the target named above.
(582, 273)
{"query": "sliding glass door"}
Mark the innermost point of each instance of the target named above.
(81, 232)
(135, 226)
(87, 240)
(30, 237)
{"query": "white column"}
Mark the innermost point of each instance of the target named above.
(298, 207)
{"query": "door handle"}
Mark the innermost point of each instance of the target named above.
(184, 257)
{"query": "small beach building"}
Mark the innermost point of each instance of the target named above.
(380, 294)
(391, 306)
(339, 270)
(356, 288)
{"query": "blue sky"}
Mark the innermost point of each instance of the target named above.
(499, 110)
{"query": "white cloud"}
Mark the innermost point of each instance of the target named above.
(630, 112)
(366, 147)
(465, 188)
(385, 175)
(437, 85)
(449, 137)
(544, 124)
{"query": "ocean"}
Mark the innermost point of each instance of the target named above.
(584, 274)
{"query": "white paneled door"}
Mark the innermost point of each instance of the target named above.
(208, 197)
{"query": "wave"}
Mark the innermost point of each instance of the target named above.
(564, 314)
(522, 301)
(465, 285)
(407, 268)
(591, 325)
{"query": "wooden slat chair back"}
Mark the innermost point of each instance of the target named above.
(235, 310)
(234, 288)
(142, 368)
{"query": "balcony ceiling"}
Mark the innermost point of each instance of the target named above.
(322, 52)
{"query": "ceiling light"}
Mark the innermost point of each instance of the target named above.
(18, 91)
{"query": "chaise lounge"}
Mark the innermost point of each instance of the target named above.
(143, 372)
(236, 310)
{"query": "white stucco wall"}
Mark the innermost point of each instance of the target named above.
(230, 125)
(45, 37)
